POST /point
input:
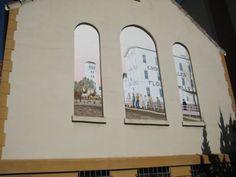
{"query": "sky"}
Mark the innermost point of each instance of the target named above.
(2, 26)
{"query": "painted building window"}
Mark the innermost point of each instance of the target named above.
(159, 77)
(142, 82)
(87, 72)
(183, 82)
(146, 74)
(148, 91)
(180, 67)
(161, 93)
(144, 59)
(156, 60)
(186, 85)
(154, 172)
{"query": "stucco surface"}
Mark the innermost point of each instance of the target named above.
(40, 104)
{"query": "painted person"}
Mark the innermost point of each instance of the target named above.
(128, 100)
(150, 102)
(133, 100)
(137, 100)
(184, 104)
(158, 104)
(141, 101)
(145, 102)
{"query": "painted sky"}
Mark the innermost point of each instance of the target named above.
(86, 43)
(179, 50)
(133, 36)
(86, 48)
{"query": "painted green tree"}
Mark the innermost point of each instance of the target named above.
(83, 86)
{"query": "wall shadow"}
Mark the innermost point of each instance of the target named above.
(220, 167)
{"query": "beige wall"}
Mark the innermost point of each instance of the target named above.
(41, 99)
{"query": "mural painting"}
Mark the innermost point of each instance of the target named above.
(186, 83)
(143, 92)
(87, 77)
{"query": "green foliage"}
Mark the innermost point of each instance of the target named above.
(219, 168)
(205, 143)
(84, 85)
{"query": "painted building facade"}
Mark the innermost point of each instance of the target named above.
(39, 136)
(90, 73)
(142, 76)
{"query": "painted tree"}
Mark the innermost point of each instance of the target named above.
(83, 86)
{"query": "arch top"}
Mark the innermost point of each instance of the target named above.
(87, 24)
(136, 36)
(179, 49)
(141, 29)
(142, 83)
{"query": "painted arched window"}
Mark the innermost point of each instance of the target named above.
(87, 72)
(186, 83)
(143, 93)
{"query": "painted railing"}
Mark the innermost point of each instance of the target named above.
(191, 110)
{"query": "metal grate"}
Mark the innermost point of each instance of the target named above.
(97, 173)
(198, 171)
(154, 172)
